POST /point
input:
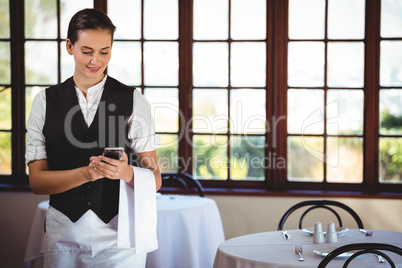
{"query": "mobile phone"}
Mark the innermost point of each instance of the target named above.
(113, 152)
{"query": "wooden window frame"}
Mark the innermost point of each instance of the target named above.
(276, 182)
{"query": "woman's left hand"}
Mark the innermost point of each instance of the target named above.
(113, 169)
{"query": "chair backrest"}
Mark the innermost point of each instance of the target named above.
(363, 248)
(319, 203)
(184, 180)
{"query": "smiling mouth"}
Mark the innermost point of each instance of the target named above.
(94, 69)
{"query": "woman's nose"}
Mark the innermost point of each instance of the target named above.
(93, 60)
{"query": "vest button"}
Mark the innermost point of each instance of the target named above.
(90, 204)
(90, 187)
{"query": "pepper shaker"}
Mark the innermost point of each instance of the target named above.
(318, 236)
(332, 236)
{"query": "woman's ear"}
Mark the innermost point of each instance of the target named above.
(69, 46)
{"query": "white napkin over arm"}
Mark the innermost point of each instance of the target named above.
(137, 213)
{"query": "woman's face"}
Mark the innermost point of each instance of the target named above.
(92, 52)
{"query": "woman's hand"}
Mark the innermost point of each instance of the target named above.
(45, 181)
(91, 174)
(112, 168)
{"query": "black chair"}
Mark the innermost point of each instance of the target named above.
(363, 249)
(325, 204)
(184, 180)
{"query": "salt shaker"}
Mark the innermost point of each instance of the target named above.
(318, 236)
(332, 236)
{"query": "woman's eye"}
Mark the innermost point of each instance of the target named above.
(104, 53)
(86, 52)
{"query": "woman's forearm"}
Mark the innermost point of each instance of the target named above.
(44, 181)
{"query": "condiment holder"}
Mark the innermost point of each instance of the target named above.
(331, 236)
(318, 235)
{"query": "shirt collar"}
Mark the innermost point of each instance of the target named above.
(94, 89)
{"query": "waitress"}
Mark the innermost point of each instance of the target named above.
(94, 199)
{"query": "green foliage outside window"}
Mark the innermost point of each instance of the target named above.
(4, 19)
(390, 123)
(167, 153)
(391, 160)
(210, 157)
(5, 91)
(390, 148)
(5, 124)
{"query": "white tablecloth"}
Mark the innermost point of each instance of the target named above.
(189, 233)
(263, 250)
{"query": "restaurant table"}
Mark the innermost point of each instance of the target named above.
(189, 230)
(271, 250)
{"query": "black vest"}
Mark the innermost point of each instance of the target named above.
(70, 143)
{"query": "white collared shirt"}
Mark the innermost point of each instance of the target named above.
(141, 124)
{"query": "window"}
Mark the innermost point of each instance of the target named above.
(326, 91)
(390, 99)
(146, 56)
(229, 90)
(5, 90)
(339, 120)
(264, 94)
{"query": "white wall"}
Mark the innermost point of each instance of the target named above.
(245, 214)
(240, 215)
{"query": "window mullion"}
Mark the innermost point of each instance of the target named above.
(185, 83)
(269, 102)
(18, 88)
(101, 4)
(371, 116)
(279, 129)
